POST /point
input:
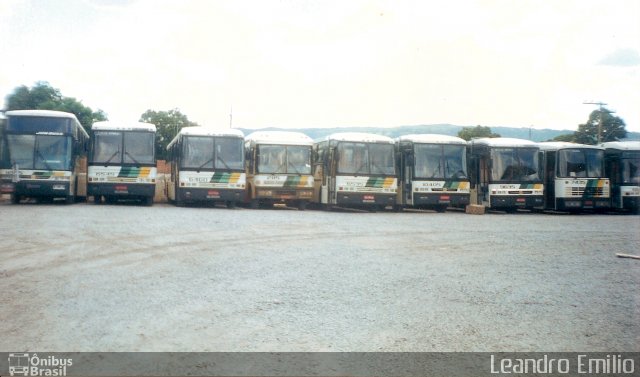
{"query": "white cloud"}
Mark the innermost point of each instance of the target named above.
(332, 63)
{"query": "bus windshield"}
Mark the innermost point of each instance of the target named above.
(364, 158)
(107, 146)
(280, 159)
(229, 153)
(514, 164)
(580, 163)
(630, 169)
(440, 161)
(43, 152)
(201, 152)
(138, 147)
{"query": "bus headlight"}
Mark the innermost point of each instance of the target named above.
(265, 193)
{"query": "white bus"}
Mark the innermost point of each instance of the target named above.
(574, 176)
(43, 156)
(432, 171)
(355, 170)
(207, 165)
(505, 174)
(622, 166)
(278, 168)
(122, 162)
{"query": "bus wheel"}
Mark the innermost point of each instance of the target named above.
(97, 199)
(302, 205)
(148, 201)
(70, 199)
(231, 204)
(255, 204)
(15, 198)
(441, 209)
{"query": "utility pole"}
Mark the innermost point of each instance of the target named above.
(231, 117)
(602, 110)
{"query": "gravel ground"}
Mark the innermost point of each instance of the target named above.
(161, 278)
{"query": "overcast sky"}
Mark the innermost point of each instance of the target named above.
(307, 63)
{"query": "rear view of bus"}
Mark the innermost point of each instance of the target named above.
(355, 170)
(505, 174)
(433, 171)
(279, 168)
(574, 177)
(122, 162)
(43, 155)
(622, 167)
(207, 166)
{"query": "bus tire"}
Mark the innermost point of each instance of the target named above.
(302, 205)
(97, 199)
(148, 201)
(231, 204)
(15, 199)
(255, 204)
(70, 199)
(441, 209)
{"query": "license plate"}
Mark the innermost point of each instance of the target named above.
(121, 188)
(369, 197)
(58, 187)
(520, 200)
(213, 194)
(445, 198)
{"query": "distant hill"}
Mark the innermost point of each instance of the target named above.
(443, 129)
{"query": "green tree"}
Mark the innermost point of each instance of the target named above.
(601, 127)
(468, 133)
(566, 137)
(167, 123)
(44, 97)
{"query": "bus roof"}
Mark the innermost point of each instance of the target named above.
(123, 126)
(503, 142)
(432, 139)
(279, 137)
(206, 131)
(557, 145)
(48, 114)
(41, 113)
(622, 145)
(360, 137)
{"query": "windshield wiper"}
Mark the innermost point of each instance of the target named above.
(223, 162)
(112, 156)
(206, 162)
(131, 157)
(43, 160)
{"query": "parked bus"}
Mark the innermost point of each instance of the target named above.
(207, 165)
(122, 162)
(44, 156)
(622, 167)
(505, 174)
(355, 170)
(278, 168)
(432, 171)
(574, 176)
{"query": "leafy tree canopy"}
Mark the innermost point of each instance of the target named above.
(468, 133)
(44, 97)
(167, 123)
(601, 127)
(566, 137)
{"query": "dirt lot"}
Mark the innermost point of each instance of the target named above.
(161, 278)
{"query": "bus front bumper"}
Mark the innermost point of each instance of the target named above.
(122, 189)
(440, 199)
(517, 201)
(583, 203)
(362, 199)
(209, 195)
(39, 188)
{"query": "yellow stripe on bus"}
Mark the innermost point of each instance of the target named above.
(388, 182)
